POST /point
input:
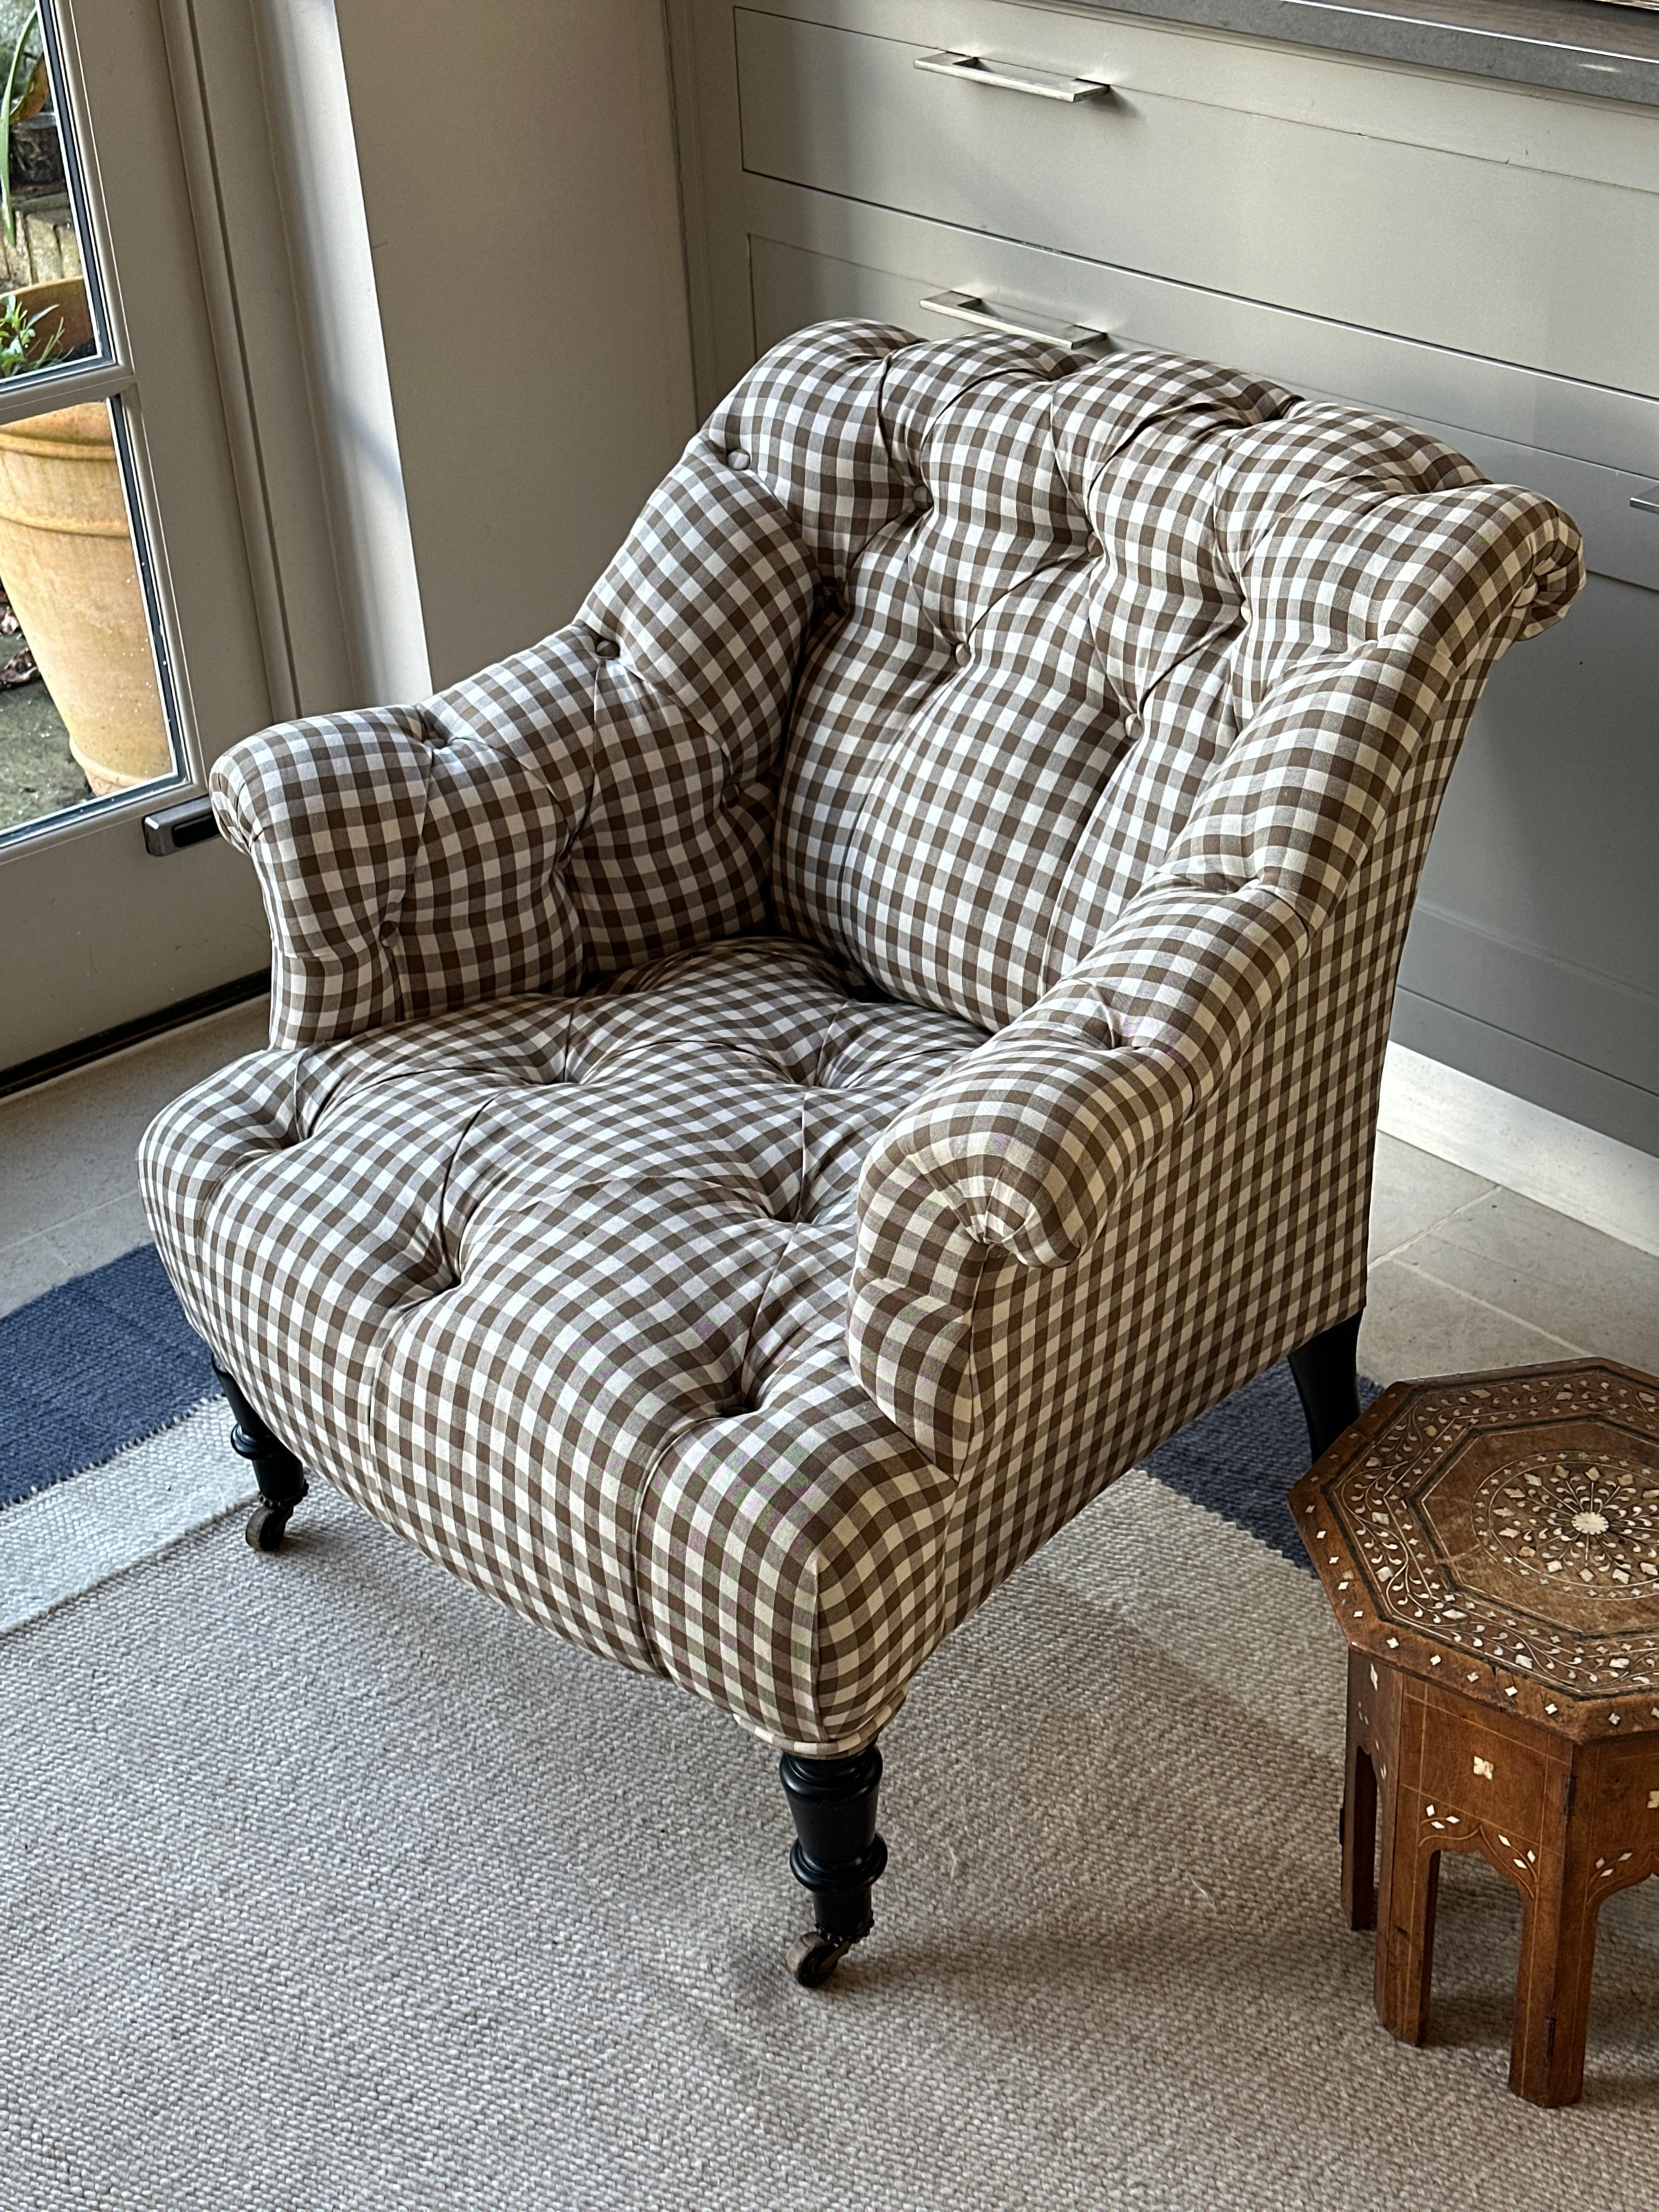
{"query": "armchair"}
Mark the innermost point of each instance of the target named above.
(780, 1092)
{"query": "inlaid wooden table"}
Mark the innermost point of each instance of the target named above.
(1490, 1544)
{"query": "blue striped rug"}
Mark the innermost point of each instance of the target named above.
(92, 1367)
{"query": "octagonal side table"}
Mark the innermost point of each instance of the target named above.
(1490, 1544)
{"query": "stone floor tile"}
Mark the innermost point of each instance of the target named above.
(1411, 1190)
(66, 1147)
(1415, 1325)
(28, 1269)
(1556, 1274)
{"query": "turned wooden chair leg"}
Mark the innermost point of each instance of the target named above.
(837, 1856)
(279, 1474)
(1328, 1382)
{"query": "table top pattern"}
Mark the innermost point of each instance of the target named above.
(1500, 1533)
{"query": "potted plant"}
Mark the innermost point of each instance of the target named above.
(67, 562)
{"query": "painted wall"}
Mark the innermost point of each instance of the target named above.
(1533, 960)
(518, 170)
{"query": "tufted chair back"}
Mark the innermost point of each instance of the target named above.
(1010, 613)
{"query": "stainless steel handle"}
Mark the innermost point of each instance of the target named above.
(1013, 322)
(1648, 500)
(1044, 84)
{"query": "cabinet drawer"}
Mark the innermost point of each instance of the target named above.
(1539, 269)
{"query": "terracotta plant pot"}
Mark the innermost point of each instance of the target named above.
(63, 319)
(67, 565)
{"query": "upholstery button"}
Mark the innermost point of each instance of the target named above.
(1132, 725)
(921, 498)
(964, 654)
(606, 648)
(1096, 547)
(737, 458)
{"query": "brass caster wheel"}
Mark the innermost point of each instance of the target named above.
(812, 1958)
(266, 1525)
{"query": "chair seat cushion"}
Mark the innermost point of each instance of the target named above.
(557, 1289)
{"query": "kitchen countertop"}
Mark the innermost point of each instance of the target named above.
(1559, 46)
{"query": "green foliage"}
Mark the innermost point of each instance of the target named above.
(20, 337)
(24, 90)
(17, 17)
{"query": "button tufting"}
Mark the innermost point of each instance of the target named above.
(606, 648)
(921, 498)
(964, 655)
(1096, 547)
(737, 458)
(1132, 725)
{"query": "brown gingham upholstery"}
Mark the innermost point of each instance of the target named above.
(780, 1092)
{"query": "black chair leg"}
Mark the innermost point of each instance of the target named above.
(837, 1856)
(280, 1476)
(1328, 1382)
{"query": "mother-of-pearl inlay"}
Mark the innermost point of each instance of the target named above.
(1590, 1516)
(1534, 1562)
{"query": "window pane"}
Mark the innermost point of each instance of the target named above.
(81, 709)
(45, 316)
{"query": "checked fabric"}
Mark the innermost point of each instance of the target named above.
(780, 1092)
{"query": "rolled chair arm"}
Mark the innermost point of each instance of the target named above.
(400, 875)
(573, 812)
(1020, 1153)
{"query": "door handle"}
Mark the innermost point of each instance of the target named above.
(1013, 322)
(170, 829)
(1042, 84)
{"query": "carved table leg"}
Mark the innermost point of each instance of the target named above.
(1552, 1994)
(1557, 1938)
(1359, 1802)
(1409, 1883)
(1405, 1936)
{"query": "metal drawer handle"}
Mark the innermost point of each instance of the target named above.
(1044, 84)
(1648, 500)
(1013, 322)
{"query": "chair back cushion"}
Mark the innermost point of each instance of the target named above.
(1015, 607)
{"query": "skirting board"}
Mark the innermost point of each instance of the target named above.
(1559, 1164)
